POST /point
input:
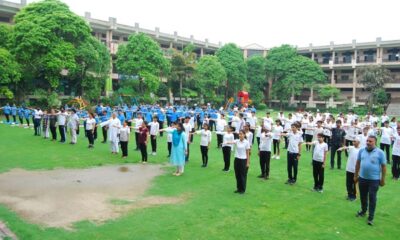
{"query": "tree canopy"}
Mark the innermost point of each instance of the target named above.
(209, 75)
(256, 72)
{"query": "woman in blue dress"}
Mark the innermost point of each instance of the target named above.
(179, 148)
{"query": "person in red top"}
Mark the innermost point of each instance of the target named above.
(143, 137)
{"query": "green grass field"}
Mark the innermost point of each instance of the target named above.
(269, 209)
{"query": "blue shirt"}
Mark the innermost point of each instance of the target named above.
(7, 110)
(121, 117)
(14, 110)
(370, 163)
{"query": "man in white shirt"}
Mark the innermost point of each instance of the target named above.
(188, 128)
(62, 120)
(293, 153)
(386, 139)
(220, 127)
(267, 122)
(154, 129)
(73, 125)
(351, 168)
(37, 117)
(319, 159)
(138, 124)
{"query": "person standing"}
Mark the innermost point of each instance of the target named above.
(7, 112)
(370, 174)
(124, 133)
(227, 148)
(179, 146)
(319, 158)
(386, 139)
(265, 152)
(53, 125)
(104, 118)
(73, 126)
(242, 162)
(188, 128)
(62, 120)
(294, 152)
(138, 124)
(337, 141)
(154, 130)
(143, 138)
(113, 124)
(396, 155)
(37, 116)
(351, 168)
(205, 141)
(220, 126)
(90, 127)
(14, 113)
(277, 131)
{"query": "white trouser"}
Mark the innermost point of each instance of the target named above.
(73, 135)
(114, 146)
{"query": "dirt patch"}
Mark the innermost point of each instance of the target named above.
(61, 197)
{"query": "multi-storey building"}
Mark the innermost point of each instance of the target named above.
(340, 62)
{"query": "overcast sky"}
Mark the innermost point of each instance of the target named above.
(268, 23)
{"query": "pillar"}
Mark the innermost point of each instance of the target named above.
(353, 99)
(201, 52)
(333, 77)
(109, 38)
(311, 103)
(245, 53)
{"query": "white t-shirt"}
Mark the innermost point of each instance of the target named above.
(221, 124)
(228, 137)
(205, 137)
(310, 128)
(327, 129)
(387, 133)
(90, 123)
(188, 127)
(396, 145)
(267, 121)
(241, 148)
(62, 118)
(249, 136)
(37, 114)
(319, 151)
(265, 142)
(317, 131)
(138, 124)
(304, 123)
(294, 140)
(363, 140)
(236, 123)
(258, 131)
(73, 123)
(288, 124)
(276, 132)
(252, 120)
(352, 160)
(384, 118)
(154, 128)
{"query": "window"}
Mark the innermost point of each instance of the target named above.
(115, 37)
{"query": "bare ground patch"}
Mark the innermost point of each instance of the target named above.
(61, 197)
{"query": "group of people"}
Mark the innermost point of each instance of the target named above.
(237, 130)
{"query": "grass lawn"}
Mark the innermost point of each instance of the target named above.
(269, 209)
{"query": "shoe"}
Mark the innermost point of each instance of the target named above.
(237, 191)
(288, 181)
(292, 182)
(226, 170)
(370, 222)
(352, 199)
(314, 189)
(360, 214)
(266, 177)
(278, 157)
(261, 176)
(320, 190)
(241, 193)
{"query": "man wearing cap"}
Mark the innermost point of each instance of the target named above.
(370, 174)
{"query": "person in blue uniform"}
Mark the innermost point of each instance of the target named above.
(20, 112)
(27, 115)
(14, 113)
(7, 112)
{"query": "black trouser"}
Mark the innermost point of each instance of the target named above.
(137, 140)
(14, 118)
(21, 120)
(61, 129)
(292, 165)
(104, 131)
(318, 173)
(286, 142)
(235, 135)
(7, 117)
(89, 134)
(396, 166)
(226, 152)
(308, 139)
(36, 125)
(258, 142)
(161, 123)
(241, 174)
(334, 148)
(304, 134)
(143, 150)
(169, 148)
(351, 185)
(53, 131)
(265, 158)
(153, 140)
(188, 152)
(219, 140)
(204, 154)
(386, 147)
(212, 124)
(368, 192)
(27, 121)
(276, 146)
(124, 148)
(327, 139)
(253, 131)
(348, 143)
(95, 133)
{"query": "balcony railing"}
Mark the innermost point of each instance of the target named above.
(368, 60)
(391, 60)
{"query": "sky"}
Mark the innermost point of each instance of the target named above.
(268, 23)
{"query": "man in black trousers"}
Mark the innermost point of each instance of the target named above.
(337, 141)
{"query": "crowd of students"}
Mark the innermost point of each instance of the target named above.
(236, 130)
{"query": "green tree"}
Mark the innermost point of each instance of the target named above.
(373, 78)
(209, 75)
(182, 66)
(328, 91)
(6, 38)
(256, 74)
(9, 73)
(47, 36)
(142, 57)
(290, 73)
(231, 58)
